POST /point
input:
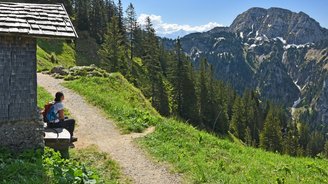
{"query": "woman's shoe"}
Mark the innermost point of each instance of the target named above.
(73, 139)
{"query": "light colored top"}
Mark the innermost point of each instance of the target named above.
(58, 107)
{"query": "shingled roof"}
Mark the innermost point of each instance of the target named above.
(39, 20)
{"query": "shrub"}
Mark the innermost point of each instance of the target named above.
(42, 167)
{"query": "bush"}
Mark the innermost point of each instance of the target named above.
(53, 58)
(42, 167)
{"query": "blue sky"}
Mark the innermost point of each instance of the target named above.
(171, 16)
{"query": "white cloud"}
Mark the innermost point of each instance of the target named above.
(172, 30)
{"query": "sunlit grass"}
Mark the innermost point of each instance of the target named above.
(199, 156)
(119, 99)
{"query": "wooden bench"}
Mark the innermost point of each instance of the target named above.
(59, 139)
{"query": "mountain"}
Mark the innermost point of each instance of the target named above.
(174, 35)
(297, 28)
(281, 54)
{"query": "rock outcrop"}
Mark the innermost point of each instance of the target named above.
(296, 28)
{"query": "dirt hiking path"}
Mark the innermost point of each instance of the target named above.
(95, 129)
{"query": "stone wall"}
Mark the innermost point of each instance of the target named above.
(21, 135)
(20, 127)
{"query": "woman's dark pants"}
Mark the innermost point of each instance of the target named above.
(68, 124)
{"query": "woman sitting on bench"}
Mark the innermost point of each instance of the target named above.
(55, 116)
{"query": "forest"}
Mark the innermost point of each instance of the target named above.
(178, 89)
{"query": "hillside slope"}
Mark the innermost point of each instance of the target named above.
(52, 53)
(82, 52)
(199, 156)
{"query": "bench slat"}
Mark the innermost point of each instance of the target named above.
(63, 134)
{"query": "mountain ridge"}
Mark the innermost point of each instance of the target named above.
(285, 68)
(296, 28)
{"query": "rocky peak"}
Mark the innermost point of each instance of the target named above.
(296, 28)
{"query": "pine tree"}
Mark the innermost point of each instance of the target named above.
(220, 108)
(152, 63)
(271, 136)
(112, 50)
(163, 100)
(291, 141)
(98, 24)
(110, 10)
(184, 93)
(238, 121)
(316, 144)
(82, 9)
(138, 41)
(326, 150)
(189, 97)
(205, 109)
(131, 25)
(253, 114)
(304, 134)
(178, 77)
(248, 137)
(120, 16)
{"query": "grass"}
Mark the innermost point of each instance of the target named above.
(119, 99)
(106, 168)
(82, 52)
(199, 156)
(43, 97)
(22, 168)
(52, 53)
(206, 159)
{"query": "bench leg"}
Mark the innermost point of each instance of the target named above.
(64, 153)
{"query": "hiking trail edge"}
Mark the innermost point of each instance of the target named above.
(93, 128)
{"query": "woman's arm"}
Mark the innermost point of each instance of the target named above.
(61, 115)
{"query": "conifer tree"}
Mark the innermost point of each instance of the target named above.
(152, 63)
(178, 77)
(120, 16)
(138, 41)
(98, 24)
(271, 136)
(162, 103)
(112, 50)
(326, 150)
(131, 26)
(110, 10)
(304, 134)
(316, 144)
(253, 113)
(82, 9)
(184, 93)
(189, 97)
(248, 137)
(238, 121)
(205, 109)
(291, 145)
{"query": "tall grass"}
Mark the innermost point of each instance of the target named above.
(199, 156)
(119, 100)
(206, 159)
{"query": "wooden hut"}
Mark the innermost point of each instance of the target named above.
(20, 25)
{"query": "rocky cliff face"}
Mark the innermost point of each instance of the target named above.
(297, 28)
(281, 54)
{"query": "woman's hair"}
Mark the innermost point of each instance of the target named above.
(59, 96)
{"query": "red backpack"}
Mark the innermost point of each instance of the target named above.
(46, 110)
